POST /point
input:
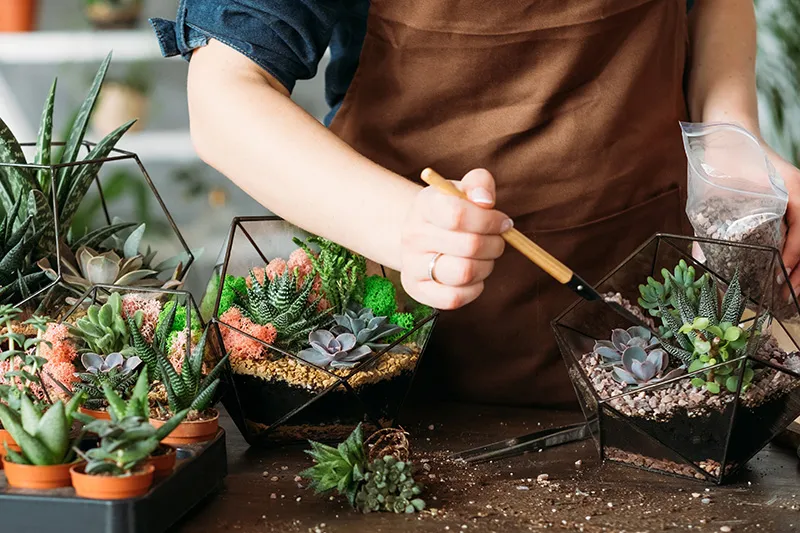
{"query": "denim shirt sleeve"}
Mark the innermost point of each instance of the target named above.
(287, 38)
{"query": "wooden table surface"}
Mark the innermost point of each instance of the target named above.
(261, 493)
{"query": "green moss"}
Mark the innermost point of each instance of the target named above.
(230, 287)
(405, 321)
(180, 317)
(380, 296)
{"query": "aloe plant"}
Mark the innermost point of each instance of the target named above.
(26, 193)
(42, 436)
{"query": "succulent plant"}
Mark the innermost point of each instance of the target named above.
(104, 330)
(138, 404)
(42, 436)
(26, 374)
(336, 351)
(655, 295)
(18, 275)
(114, 370)
(284, 304)
(384, 483)
(35, 188)
(640, 367)
(341, 272)
(389, 486)
(187, 389)
(368, 328)
(622, 339)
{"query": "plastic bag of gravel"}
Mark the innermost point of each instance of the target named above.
(734, 194)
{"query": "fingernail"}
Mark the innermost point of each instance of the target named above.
(506, 225)
(481, 196)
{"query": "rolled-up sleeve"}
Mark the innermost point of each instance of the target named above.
(287, 38)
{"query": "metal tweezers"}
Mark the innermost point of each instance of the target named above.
(532, 442)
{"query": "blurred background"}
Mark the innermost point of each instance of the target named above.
(69, 38)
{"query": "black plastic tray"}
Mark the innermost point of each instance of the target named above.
(200, 471)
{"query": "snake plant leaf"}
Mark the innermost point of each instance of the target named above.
(84, 174)
(30, 415)
(14, 181)
(53, 430)
(39, 207)
(72, 146)
(44, 139)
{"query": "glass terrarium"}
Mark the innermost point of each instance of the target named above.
(318, 340)
(72, 225)
(714, 378)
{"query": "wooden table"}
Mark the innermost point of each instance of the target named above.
(262, 495)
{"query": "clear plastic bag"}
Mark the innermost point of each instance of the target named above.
(734, 194)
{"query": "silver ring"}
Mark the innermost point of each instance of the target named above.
(432, 265)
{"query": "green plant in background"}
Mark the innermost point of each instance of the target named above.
(285, 305)
(179, 319)
(26, 373)
(233, 286)
(778, 74)
(18, 276)
(341, 272)
(104, 328)
(114, 371)
(371, 482)
(42, 436)
(380, 295)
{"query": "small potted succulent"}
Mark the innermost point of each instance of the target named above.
(113, 14)
(123, 99)
(317, 343)
(112, 371)
(46, 450)
(120, 467)
(187, 389)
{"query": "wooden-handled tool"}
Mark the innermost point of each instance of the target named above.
(555, 268)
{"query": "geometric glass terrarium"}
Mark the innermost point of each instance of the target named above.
(318, 341)
(717, 382)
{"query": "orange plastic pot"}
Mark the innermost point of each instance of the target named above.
(164, 464)
(190, 432)
(100, 414)
(6, 438)
(17, 15)
(37, 477)
(111, 487)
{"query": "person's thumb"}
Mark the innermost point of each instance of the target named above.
(478, 185)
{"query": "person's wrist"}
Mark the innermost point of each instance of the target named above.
(735, 115)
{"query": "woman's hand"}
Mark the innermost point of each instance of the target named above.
(791, 248)
(466, 233)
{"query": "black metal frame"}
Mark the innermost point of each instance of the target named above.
(601, 408)
(236, 410)
(123, 155)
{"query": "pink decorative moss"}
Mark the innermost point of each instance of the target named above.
(150, 308)
(61, 372)
(58, 347)
(239, 346)
(300, 262)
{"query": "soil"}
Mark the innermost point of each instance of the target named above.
(193, 416)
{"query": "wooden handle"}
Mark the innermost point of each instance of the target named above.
(527, 247)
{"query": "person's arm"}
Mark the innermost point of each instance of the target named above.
(244, 124)
(722, 88)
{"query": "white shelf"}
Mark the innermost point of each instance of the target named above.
(158, 146)
(44, 47)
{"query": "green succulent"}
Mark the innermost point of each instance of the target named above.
(187, 389)
(654, 294)
(113, 370)
(389, 486)
(341, 272)
(285, 305)
(368, 328)
(383, 484)
(104, 330)
(34, 189)
(42, 436)
(138, 403)
(27, 372)
(340, 468)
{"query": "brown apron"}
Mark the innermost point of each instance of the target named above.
(573, 105)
